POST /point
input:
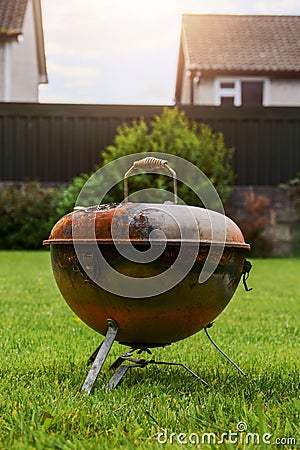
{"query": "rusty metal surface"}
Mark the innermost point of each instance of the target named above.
(101, 356)
(160, 319)
(141, 219)
(173, 315)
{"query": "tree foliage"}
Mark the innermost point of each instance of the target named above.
(173, 133)
(28, 212)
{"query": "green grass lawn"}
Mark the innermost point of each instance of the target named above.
(44, 350)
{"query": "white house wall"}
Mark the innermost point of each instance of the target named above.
(185, 89)
(277, 92)
(2, 76)
(204, 92)
(284, 92)
(24, 63)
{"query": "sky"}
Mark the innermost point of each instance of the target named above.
(125, 51)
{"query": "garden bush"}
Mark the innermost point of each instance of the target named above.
(171, 132)
(27, 214)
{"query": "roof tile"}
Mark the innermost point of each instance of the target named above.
(12, 14)
(247, 43)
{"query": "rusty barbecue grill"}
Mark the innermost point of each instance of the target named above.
(161, 249)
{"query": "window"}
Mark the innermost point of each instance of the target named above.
(228, 92)
(240, 91)
(227, 101)
(227, 85)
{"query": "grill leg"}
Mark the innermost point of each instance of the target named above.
(93, 356)
(121, 370)
(101, 356)
(117, 377)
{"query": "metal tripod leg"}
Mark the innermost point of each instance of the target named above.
(101, 356)
(221, 351)
(93, 355)
(121, 370)
(117, 377)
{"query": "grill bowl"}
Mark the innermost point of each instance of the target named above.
(159, 319)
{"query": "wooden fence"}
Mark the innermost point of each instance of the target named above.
(53, 143)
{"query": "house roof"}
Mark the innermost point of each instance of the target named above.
(236, 43)
(12, 14)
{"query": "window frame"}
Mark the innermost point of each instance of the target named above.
(236, 91)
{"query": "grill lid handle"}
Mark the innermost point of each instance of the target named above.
(150, 164)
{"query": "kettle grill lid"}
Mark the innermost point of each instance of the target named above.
(141, 223)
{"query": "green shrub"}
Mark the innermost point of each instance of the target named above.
(171, 132)
(27, 213)
(68, 196)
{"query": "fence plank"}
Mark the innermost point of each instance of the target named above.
(54, 142)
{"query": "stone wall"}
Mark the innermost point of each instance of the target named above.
(282, 219)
